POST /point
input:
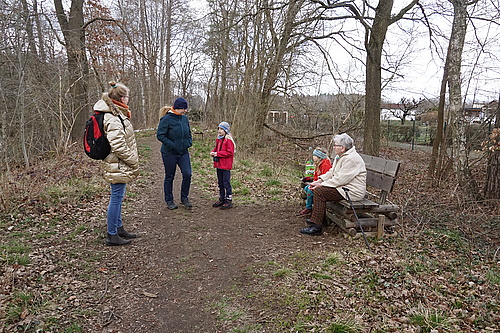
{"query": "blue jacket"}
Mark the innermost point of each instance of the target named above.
(174, 133)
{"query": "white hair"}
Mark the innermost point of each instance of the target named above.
(344, 140)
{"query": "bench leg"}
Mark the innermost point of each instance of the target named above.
(380, 226)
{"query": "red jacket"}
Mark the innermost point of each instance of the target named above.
(322, 168)
(225, 153)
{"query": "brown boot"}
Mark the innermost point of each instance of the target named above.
(115, 240)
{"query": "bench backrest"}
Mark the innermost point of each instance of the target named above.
(381, 174)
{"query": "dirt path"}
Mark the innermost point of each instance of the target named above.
(171, 279)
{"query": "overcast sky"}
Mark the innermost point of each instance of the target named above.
(421, 71)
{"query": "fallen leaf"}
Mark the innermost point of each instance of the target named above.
(145, 293)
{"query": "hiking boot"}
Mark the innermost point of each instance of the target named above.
(125, 234)
(218, 203)
(227, 205)
(186, 203)
(115, 240)
(305, 211)
(171, 205)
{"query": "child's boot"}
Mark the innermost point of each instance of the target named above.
(228, 204)
(219, 203)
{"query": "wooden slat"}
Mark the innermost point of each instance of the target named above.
(380, 181)
(365, 203)
(368, 222)
(381, 165)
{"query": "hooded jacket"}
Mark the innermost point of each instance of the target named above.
(348, 170)
(122, 164)
(225, 152)
(174, 133)
(322, 168)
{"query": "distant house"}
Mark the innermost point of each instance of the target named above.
(474, 114)
(478, 113)
(277, 117)
(395, 111)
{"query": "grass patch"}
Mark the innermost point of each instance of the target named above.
(226, 312)
(283, 272)
(493, 276)
(340, 327)
(429, 320)
(332, 260)
(73, 190)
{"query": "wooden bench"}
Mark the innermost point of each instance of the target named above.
(374, 216)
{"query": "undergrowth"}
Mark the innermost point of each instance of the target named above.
(438, 274)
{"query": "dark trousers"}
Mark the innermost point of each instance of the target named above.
(322, 194)
(225, 189)
(170, 162)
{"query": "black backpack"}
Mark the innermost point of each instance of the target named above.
(95, 143)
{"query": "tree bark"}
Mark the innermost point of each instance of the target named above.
(491, 190)
(74, 38)
(460, 151)
(373, 88)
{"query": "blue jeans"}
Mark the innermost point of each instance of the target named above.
(224, 180)
(309, 199)
(115, 207)
(170, 162)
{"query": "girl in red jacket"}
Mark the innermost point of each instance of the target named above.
(223, 156)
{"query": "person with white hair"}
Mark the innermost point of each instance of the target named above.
(348, 171)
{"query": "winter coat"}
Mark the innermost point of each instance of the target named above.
(348, 170)
(322, 168)
(122, 164)
(225, 152)
(174, 133)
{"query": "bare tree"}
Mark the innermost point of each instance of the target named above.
(406, 106)
(71, 25)
(457, 129)
(491, 188)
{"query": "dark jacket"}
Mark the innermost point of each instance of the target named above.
(174, 133)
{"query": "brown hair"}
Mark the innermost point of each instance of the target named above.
(117, 90)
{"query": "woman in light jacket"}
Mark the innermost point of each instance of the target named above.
(121, 166)
(348, 171)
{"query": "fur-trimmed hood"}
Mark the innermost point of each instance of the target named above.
(122, 164)
(105, 104)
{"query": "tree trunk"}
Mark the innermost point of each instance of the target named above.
(373, 90)
(491, 188)
(439, 142)
(74, 38)
(460, 152)
(273, 69)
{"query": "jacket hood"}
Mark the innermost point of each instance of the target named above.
(106, 105)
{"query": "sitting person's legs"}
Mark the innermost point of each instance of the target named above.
(309, 199)
(322, 194)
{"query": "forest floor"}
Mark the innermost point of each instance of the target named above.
(246, 269)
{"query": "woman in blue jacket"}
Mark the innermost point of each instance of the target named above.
(175, 135)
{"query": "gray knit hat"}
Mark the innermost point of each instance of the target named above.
(225, 126)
